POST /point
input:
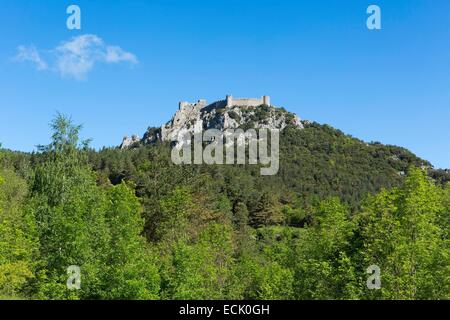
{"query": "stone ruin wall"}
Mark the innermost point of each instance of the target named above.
(247, 102)
(227, 103)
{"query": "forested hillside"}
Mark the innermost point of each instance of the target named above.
(140, 227)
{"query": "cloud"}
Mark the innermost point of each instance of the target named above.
(30, 54)
(115, 54)
(77, 57)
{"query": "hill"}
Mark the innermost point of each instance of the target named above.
(141, 227)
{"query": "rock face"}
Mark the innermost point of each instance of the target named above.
(230, 113)
(128, 142)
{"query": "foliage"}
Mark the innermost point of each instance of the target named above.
(402, 234)
(140, 227)
(18, 243)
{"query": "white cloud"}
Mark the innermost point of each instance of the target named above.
(77, 57)
(115, 54)
(30, 54)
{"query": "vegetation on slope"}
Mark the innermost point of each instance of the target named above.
(140, 227)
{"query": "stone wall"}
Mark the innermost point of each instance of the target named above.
(229, 102)
(247, 102)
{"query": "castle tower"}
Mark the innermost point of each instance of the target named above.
(266, 100)
(182, 105)
(229, 100)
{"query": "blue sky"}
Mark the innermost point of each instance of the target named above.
(315, 58)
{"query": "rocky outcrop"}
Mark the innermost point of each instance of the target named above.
(222, 119)
(193, 117)
(128, 142)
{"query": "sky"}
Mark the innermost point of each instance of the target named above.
(134, 60)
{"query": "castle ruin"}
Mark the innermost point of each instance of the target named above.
(229, 102)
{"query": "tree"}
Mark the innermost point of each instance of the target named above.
(241, 216)
(267, 211)
(82, 224)
(18, 242)
(402, 235)
(323, 268)
(72, 232)
(201, 270)
(131, 272)
(259, 278)
(174, 215)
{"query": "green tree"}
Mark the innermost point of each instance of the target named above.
(201, 270)
(72, 232)
(174, 216)
(258, 278)
(131, 272)
(324, 269)
(88, 226)
(266, 212)
(402, 235)
(18, 242)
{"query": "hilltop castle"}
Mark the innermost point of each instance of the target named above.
(227, 103)
(229, 113)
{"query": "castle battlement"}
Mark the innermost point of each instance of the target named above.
(227, 103)
(247, 102)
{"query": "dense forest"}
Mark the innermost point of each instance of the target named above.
(140, 227)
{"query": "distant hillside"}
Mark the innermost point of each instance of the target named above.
(317, 161)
